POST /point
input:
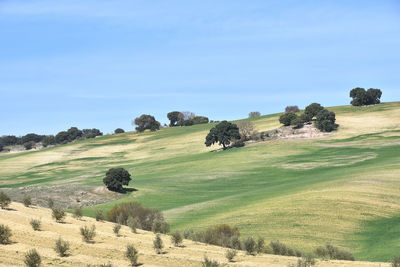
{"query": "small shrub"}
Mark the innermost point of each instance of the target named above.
(188, 233)
(306, 261)
(32, 258)
(132, 254)
(335, 253)
(88, 233)
(116, 229)
(160, 227)
(209, 263)
(50, 203)
(250, 246)
(158, 244)
(35, 223)
(235, 243)
(61, 247)
(176, 239)
(27, 201)
(77, 213)
(279, 248)
(5, 234)
(287, 118)
(230, 254)
(260, 245)
(133, 224)
(58, 214)
(4, 200)
(99, 215)
(396, 261)
(321, 252)
(254, 114)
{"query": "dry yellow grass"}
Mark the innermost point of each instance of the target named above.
(108, 248)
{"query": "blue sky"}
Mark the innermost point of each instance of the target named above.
(102, 63)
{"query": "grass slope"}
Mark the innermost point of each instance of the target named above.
(341, 189)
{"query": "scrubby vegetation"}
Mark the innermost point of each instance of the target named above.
(250, 246)
(27, 201)
(58, 214)
(133, 224)
(144, 216)
(87, 233)
(279, 248)
(116, 229)
(333, 253)
(61, 247)
(5, 234)
(35, 223)
(116, 178)
(396, 261)
(132, 254)
(32, 258)
(77, 213)
(99, 215)
(4, 200)
(185, 118)
(160, 226)
(230, 254)
(158, 244)
(209, 263)
(292, 109)
(176, 239)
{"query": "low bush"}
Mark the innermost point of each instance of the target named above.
(188, 233)
(99, 214)
(32, 258)
(58, 214)
(333, 253)
(260, 245)
(35, 223)
(230, 254)
(287, 118)
(61, 247)
(294, 109)
(160, 226)
(132, 254)
(306, 261)
(176, 239)
(133, 224)
(5, 234)
(209, 263)
(88, 234)
(235, 243)
(27, 201)
(50, 203)
(116, 229)
(254, 114)
(250, 246)
(77, 213)
(219, 235)
(158, 244)
(396, 261)
(144, 216)
(5, 200)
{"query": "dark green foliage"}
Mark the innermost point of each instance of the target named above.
(87, 233)
(5, 234)
(8, 140)
(326, 121)
(116, 229)
(132, 254)
(199, 120)
(77, 213)
(176, 239)
(62, 137)
(158, 244)
(31, 137)
(146, 122)
(1, 147)
(287, 118)
(29, 145)
(35, 223)
(293, 109)
(160, 226)
(61, 247)
(144, 216)
(396, 261)
(250, 246)
(99, 215)
(91, 133)
(230, 254)
(333, 253)
(311, 111)
(58, 214)
(4, 200)
(49, 140)
(119, 130)
(174, 117)
(223, 134)
(32, 258)
(299, 121)
(254, 114)
(361, 97)
(116, 178)
(209, 263)
(74, 133)
(27, 201)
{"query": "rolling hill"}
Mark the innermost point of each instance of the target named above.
(342, 188)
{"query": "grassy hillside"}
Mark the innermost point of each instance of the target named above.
(109, 248)
(342, 189)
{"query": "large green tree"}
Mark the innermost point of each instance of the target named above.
(311, 111)
(174, 117)
(146, 122)
(325, 121)
(223, 134)
(362, 97)
(116, 178)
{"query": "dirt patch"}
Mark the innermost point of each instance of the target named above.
(65, 196)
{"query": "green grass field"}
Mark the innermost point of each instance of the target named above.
(343, 189)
